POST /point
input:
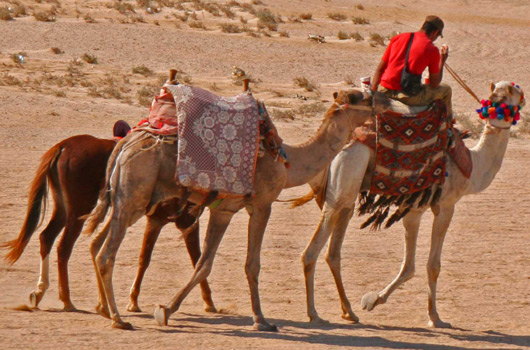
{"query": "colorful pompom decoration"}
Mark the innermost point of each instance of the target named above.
(494, 110)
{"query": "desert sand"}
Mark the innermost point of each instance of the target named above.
(52, 92)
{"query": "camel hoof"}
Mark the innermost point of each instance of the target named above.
(439, 324)
(133, 308)
(370, 300)
(103, 311)
(161, 315)
(265, 327)
(34, 299)
(319, 321)
(211, 309)
(350, 317)
(122, 325)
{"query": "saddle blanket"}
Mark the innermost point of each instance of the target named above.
(410, 151)
(218, 139)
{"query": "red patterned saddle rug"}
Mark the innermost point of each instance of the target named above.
(218, 139)
(410, 162)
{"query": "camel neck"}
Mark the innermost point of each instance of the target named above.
(487, 157)
(308, 159)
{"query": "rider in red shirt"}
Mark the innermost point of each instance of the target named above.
(423, 54)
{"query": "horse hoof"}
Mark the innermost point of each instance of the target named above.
(370, 300)
(122, 325)
(70, 308)
(210, 309)
(351, 317)
(133, 308)
(34, 300)
(265, 327)
(161, 315)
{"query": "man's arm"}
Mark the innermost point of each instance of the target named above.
(377, 75)
(436, 79)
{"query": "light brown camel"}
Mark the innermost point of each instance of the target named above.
(143, 175)
(350, 173)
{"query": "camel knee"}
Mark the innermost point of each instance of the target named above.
(408, 273)
(433, 269)
(333, 260)
(252, 270)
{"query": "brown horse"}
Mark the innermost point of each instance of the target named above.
(75, 171)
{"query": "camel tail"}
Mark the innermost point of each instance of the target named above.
(104, 201)
(36, 206)
(296, 202)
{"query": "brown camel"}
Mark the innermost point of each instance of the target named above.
(141, 174)
(74, 169)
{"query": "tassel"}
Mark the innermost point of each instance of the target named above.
(413, 197)
(380, 219)
(394, 218)
(436, 196)
(210, 198)
(367, 206)
(426, 196)
(369, 221)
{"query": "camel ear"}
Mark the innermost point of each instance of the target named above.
(511, 90)
(335, 94)
(492, 87)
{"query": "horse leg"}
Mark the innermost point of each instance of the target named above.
(310, 257)
(64, 251)
(152, 231)
(333, 258)
(217, 225)
(411, 223)
(441, 222)
(47, 238)
(192, 240)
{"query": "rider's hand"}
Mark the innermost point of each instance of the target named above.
(444, 52)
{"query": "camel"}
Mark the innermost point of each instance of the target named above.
(143, 170)
(74, 169)
(350, 172)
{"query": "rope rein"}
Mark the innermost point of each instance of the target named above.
(461, 82)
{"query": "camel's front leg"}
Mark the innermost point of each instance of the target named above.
(333, 258)
(310, 257)
(442, 219)
(411, 222)
(256, 230)
(217, 225)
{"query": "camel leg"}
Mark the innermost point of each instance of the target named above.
(343, 187)
(192, 240)
(97, 242)
(441, 222)
(106, 258)
(333, 258)
(47, 238)
(151, 234)
(64, 251)
(411, 223)
(309, 259)
(256, 231)
(217, 225)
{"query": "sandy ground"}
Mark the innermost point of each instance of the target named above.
(483, 288)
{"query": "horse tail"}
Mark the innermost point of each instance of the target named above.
(104, 200)
(36, 205)
(296, 202)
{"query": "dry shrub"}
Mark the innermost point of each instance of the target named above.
(89, 19)
(343, 35)
(145, 95)
(306, 16)
(356, 36)
(376, 39)
(267, 19)
(305, 83)
(230, 28)
(197, 25)
(88, 58)
(56, 50)
(10, 80)
(143, 70)
(227, 11)
(45, 16)
(311, 109)
(359, 7)
(360, 20)
(282, 114)
(5, 14)
(336, 16)
(123, 7)
(284, 33)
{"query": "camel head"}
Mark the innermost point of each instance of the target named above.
(505, 102)
(361, 101)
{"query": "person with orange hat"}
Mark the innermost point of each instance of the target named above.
(399, 72)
